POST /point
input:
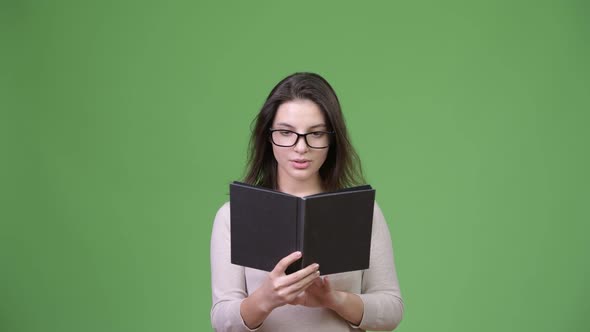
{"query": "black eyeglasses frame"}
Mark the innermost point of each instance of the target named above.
(301, 135)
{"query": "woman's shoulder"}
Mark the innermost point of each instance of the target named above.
(223, 210)
(377, 213)
(376, 207)
(221, 223)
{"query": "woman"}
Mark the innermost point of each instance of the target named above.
(300, 146)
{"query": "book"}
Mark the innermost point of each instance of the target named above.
(332, 229)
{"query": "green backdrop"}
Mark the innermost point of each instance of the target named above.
(123, 122)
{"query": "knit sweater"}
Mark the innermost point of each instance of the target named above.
(377, 287)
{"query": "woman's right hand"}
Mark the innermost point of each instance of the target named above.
(280, 289)
(277, 290)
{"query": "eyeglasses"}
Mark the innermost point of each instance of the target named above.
(287, 138)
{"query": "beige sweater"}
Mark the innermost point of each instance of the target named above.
(377, 286)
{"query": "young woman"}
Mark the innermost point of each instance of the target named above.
(300, 146)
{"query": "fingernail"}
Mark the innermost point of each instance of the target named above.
(298, 254)
(316, 266)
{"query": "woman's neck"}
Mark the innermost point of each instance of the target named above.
(300, 188)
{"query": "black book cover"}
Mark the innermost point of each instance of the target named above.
(332, 229)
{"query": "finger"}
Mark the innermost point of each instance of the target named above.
(296, 276)
(292, 291)
(284, 263)
(327, 283)
(318, 282)
(305, 282)
(299, 299)
(296, 279)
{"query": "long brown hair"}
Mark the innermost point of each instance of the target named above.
(342, 167)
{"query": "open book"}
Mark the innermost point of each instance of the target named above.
(332, 229)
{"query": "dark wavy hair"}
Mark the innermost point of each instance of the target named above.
(342, 167)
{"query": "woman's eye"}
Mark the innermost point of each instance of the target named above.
(285, 133)
(317, 134)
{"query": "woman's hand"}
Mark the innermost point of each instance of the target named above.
(319, 294)
(277, 290)
(280, 289)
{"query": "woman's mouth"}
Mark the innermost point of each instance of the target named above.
(300, 163)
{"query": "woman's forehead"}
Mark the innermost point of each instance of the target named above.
(299, 113)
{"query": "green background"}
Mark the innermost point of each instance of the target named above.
(123, 122)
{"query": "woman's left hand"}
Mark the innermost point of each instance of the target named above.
(319, 294)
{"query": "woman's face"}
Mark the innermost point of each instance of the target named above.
(299, 164)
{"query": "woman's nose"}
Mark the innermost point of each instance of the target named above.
(301, 145)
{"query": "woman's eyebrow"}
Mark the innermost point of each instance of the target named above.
(321, 125)
(283, 124)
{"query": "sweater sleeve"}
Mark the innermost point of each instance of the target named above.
(380, 292)
(228, 282)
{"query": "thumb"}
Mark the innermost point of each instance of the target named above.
(327, 284)
(299, 299)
